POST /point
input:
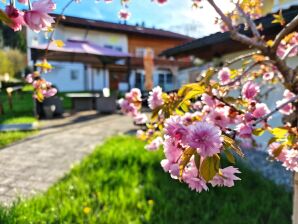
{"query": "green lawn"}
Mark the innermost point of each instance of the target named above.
(120, 182)
(7, 138)
(23, 105)
(22, 111)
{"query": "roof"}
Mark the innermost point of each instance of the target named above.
(219, 43)
(120, 28)
(78, 50)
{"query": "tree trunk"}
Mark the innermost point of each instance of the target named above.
(295, 199)
(294, 122)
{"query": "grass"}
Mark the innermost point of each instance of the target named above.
(120, 182)
(7, 138)
(23, 106)
(22, 110)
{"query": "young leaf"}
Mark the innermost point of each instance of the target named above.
(196, 91)
(258, 131)
(230, 143)
(276, 152)
(59, 43)
(279, 132)
(187, 154)
(230, 156)
(197, 160)
(278, 18)
(210, 167)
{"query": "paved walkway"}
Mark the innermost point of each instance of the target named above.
(33, 165)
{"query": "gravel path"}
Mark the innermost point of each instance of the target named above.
(33, 165)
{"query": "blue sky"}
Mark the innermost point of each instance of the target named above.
(176, 15)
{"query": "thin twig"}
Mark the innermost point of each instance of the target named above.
(275, 110)
(241, 57)
(228, 104)
(289, 51)
(248, 68)
(57, 23)
(234, 33)
(289, 28)
(249, 22)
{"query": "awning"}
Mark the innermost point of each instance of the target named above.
(77, 51)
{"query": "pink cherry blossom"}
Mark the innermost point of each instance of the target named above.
(291, 160)
(16, 16)
(288, 108)
(190, 176)
(175, 128)
(268, 76)
(134, 95)
(154, 144)
(161, 2)
(260, 110)
(140, 118)
(23, 2)
(250, 90)
(37, 18)
(209, 100)
(219, 117)
(29, 78)
(204, 137)
(124, 14)
(248, 117)
(127, 107)
(227, 177)
(244, 130)
(224, 76)
(171, 150)
(273, 146)
(50, 92)
(155, 98)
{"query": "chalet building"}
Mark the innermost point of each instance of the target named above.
(100, 54)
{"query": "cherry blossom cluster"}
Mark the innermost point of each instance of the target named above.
(288, 46)
(42, 88)
(192, 136)
(202, 136)
(36, 17)
(131, 106)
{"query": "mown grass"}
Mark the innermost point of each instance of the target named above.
(6, 138)
(23, 107)
(120, 182)
(22, 110)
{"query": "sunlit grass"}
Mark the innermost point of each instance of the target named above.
(120, 182)
(7, 138)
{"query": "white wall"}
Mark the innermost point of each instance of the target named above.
(60, 76)
(98, 37)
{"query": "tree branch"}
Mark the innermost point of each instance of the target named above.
(289, 51)
(275, 110)
(241, 57)
(289, 28)
(57, 23)
(224, 18)
(249, 22)
(234, 33)
(248, 68)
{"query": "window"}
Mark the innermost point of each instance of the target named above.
(165, 80)
(116, 48)
(139, 81)
(140, 51)
(74, 75)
